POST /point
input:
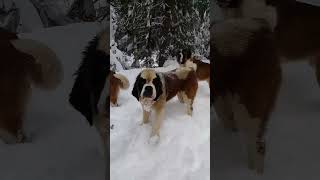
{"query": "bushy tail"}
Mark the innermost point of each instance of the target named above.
(124, 81)
(46, 71)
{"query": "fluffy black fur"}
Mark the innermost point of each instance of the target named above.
(158, 84)
(90, 79)
(137, 87)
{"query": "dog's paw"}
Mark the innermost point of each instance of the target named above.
(114, 105)
(154, 139)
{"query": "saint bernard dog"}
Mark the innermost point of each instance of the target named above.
(24, 62)
(117, 82)
(247, 78)
(153, 89)
(185, 59)
(90, 92)
(295, 26)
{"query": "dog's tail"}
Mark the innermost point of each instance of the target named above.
(46, 69)
(124, 81)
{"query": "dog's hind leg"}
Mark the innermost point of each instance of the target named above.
(253, 134)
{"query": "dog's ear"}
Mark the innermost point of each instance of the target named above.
(79, 97)
(136, 87)
(179, 56)
(186, 53)
(158, 84)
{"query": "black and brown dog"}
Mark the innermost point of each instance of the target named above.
(24, 62)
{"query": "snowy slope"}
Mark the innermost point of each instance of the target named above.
(183, 152)
(63, 146)
(292, 140)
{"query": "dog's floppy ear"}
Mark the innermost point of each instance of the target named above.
(136, 87)
(179, 56)
(186, 54)
(79, 97)
(158, 84)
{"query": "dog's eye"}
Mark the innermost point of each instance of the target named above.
(156, 80)
(142, 81)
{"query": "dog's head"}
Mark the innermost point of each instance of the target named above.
(147, 85)
(183, 56)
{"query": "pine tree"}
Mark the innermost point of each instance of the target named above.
(145, 27)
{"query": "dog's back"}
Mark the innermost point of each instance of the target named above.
(182, 79)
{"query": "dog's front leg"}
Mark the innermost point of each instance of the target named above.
(146, 115)
(155, 134)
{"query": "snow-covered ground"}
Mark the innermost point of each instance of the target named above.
(63, 145)
(292, 140)
(183, 152)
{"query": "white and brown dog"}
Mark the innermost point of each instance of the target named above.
(153, 89)
(185, 59)
(24, 62)
(247, 78)
(291, 33)
(117, 82)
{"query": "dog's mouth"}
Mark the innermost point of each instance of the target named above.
(147, 103)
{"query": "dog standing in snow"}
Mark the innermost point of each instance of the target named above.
(117, 82)
(185, 59)
(24, 62)
(295, 36)
(153, 89)
(247, 78)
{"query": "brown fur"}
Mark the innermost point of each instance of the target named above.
(202, 70)
(296, 27)
(295, 37)
(246, 84)
(117, 82)
(182, 82)
(18, 70)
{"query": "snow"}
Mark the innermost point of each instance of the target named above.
(292, 144)
(183, 152)
(63, 145)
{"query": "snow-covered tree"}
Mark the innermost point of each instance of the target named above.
(9, 15)
(166, 26)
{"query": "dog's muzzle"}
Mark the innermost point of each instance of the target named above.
(148, 92)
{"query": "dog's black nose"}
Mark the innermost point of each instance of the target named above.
(147, 91)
